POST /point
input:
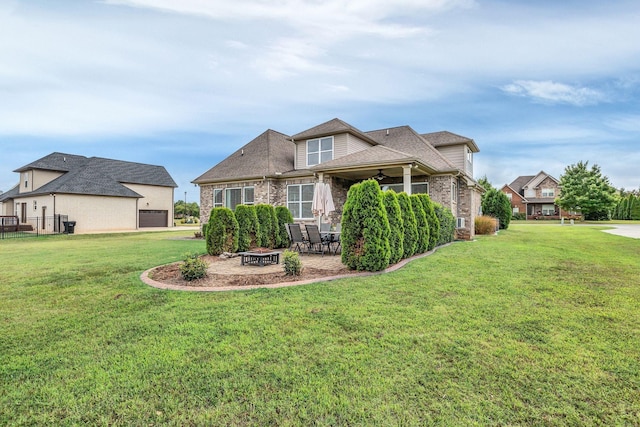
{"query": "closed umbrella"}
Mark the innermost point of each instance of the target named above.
(322, 200)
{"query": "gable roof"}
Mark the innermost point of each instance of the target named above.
(519, 183)
(514, 191)
(96, 176)
(444, 138)
(407, 140)
(267, 155)
(332, 127)
(537, 179)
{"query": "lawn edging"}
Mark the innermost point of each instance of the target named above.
(160, 285)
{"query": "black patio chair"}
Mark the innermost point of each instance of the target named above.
(296, 238)
(316, 242)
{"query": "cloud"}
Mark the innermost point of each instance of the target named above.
(554, 93)
(626, 123)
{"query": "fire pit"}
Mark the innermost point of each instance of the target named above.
(260, 257)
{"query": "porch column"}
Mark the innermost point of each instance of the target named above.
(406, 179)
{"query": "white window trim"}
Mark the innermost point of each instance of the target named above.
(244, 199)
(225, 199)
(454, 192)
(548, 192)
(320, 150)
(299, 202)
(401, 187)
(221, 204)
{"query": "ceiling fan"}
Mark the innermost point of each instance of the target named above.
(380, 176)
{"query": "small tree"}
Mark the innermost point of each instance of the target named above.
(268, 226)
(283, 214)
(396, 227)
(421, 223)
(447, 224)
(496, 204)
(587, 191)
(432, 219)
(248, 227)
(222, 232)
(365, 228)
(410, 241)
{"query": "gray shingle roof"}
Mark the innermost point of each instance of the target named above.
(332, 127)
(406, 140)
(10, 194)
(270, 153)
(376, 155)
(97, 176)
(443, 138)
(519, 183)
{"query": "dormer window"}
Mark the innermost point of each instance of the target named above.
(319, 150)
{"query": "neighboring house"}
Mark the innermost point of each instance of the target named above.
(98, 194)
(534, 195)
(282, 170)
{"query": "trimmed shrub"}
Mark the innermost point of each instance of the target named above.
(496, 204)
(222, 233)
(283, 214)
(365, 228)
(205, 225)
(421, 223)
(486, 225)
(193, 267)
(291, 263)
(267, 226)
(396, 227)
(519, 216)
(410, 241)
(248, 227)
(432, 219)
(447, 224)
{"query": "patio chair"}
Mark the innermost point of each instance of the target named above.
(316, 242)
(296, 238)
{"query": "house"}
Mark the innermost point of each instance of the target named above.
(534, 195)
(282, 170)
(98, 194)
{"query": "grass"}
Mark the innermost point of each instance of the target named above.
(535, 326)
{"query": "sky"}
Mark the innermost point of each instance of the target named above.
(538, 85)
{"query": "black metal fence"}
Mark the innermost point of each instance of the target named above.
(12, 228)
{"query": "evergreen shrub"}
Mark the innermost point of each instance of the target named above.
(421, 223)
(496, 204)
(248, 227)
(291, 263)
(396, 226)
(432, 220)
(410, 241)
(447, 224)
(222, 232)
(267, 226)
(193, 267)
(283, 214)
(365, 228)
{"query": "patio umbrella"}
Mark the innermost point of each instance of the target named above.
(322, 200)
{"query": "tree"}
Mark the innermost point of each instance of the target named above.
(496, 204)
(484, 183)
(268, 224)
(432, 219)
(284, 217)
(365, 228)
(248, 227)
(421, 223)
(586, 190)
(410, 241)
(222, 232)
(396, 226)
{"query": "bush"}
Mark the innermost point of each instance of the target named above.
(283, 215)
(421, 223)
(496, 204)
(519, 216)
(247, 227)
(205, 225)
(447, 224)
(432, 220)
(410, 241)
(193, 267)
(268, 224)
(291, 263)
(365, 228)
(396, 227)
(486, 225)
(222, 232)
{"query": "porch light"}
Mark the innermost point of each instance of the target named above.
(35, 205)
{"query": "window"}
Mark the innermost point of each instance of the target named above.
(319, 150)
(509, 196)
(416, 187)
(460, 222)
(548, 209)
(454, 192)
(469, 155)
(299, 200)
(516, 210)
(548, 192)
(26, 180)
(529, 193)
(247, 195)
(232, 197)
(217, 198)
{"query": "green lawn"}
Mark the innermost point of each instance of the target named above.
(537, 326)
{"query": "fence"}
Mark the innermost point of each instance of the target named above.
(12, 228)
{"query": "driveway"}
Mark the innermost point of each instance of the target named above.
(626, 230)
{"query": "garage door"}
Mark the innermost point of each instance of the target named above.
(153, 218)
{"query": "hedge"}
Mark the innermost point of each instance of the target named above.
(222, 232)
(410, 241)
(421, 223)
(396, 226)
(248, 227)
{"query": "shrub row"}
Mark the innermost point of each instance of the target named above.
(249, 227)
(380, 228)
